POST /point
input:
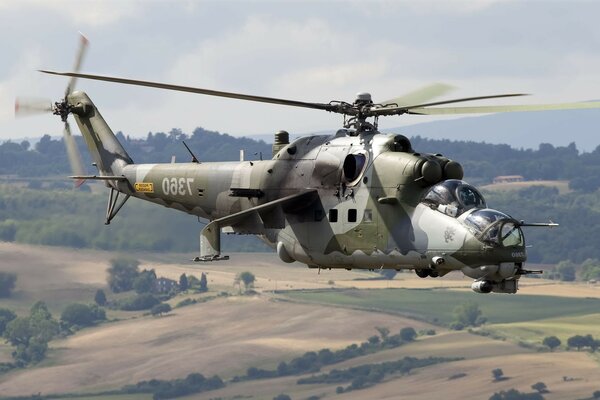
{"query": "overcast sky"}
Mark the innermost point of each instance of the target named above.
(306, 50)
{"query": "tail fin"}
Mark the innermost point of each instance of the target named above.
(108, 154)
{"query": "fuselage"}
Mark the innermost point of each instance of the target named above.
(370, 211)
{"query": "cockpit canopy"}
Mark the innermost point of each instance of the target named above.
(453, 197)
(494, 227)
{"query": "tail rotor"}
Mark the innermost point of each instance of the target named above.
(30, 106)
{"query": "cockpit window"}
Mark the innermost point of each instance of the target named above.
(478, 221)
(511, 235)
(494, 227)
(453, 197)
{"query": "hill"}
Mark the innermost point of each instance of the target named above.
(230, 334)
(521, 130)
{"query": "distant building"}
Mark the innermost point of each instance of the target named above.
(508, 179)
(165, 285)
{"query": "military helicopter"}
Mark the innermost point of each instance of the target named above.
(356, 198)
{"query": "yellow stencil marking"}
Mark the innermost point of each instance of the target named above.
(144, 187)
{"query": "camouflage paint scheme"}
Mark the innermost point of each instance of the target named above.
(374, 181)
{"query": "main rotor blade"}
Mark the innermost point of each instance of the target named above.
(420, 95)
(408, 109)
(209, 92)
(73, 154)
(83, 43)
(28, 106)
(497, 109)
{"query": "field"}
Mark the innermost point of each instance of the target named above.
(297, 310)
(562, 186)
(436, 306)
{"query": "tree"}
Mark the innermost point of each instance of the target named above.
(374, 340)
(39, 310)
(145, 282)
(498, 374)
(183, 283)
(30, 335)
(590, 269)
(100, 297)
(551, 342)
(142, 301)
(7, 283)
(6, 316)
(383, 331)
(121, 274)
(566, 270)
(577, 341)
(18, 331)
(469, 314)
(540, 387)
(160, 309)
(247, 278)
(514, 394)
(203, 283)
(408, 334)
(82, 315)
(282, 369)
(193, 282)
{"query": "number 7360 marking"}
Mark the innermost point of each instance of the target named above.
(180, 186)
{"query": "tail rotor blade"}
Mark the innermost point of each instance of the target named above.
(83, 44)
(30, 106)
(73, 154)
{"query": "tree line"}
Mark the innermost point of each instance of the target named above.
(76, 219)
(364, 376)
(313, 361)
(481, 161)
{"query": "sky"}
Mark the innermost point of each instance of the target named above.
(302, 50)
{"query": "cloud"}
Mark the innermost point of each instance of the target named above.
(79, 12)
(311, 51)
(427, 7)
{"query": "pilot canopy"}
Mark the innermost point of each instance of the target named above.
(453, 197)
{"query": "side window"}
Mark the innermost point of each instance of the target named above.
(333, 215)
(352, 215)
(368, 216)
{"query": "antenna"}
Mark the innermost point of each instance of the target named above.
(194, 159)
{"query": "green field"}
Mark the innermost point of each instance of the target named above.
(563, 328)
(436, 306)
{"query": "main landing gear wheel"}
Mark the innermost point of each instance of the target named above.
(422, 273)
(426, 272)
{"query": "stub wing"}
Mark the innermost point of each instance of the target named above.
(254, 220)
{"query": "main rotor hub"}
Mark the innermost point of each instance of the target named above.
(363, 98)
(62, 108)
